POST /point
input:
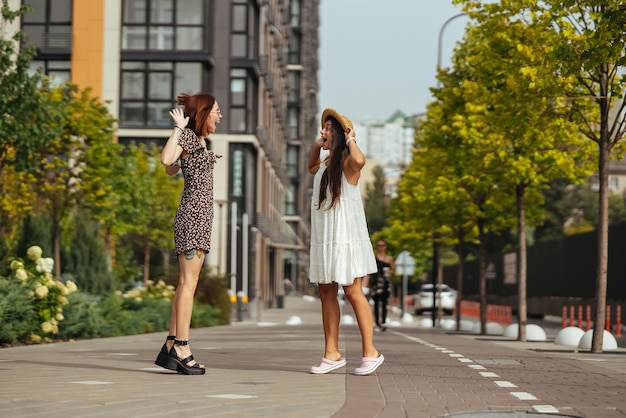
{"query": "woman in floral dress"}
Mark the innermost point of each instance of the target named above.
(186, 150)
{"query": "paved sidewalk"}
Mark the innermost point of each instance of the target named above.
(259, 368)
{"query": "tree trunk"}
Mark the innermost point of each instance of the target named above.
(482, 279)
(521, 264)
(604, 147)
(146, 264)
(56, 244)
(459, 280)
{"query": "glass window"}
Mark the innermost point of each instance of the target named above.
(38, 14)
(188, 77)
(133, 85)
(238, 45)
(160, 86)
(163, 25)
(161, 11)
(292, 161)
(294, 13)
(135, 11)
(293, 55)
(61, 12)
(161, 37)
(237, 120)
(189, 12)
(240, 23)
(189, 39)
(149, 90)
(293, 79)
(293, 123)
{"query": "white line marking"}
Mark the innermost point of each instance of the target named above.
(489, 374)
(504, 384)
(524, 396)
(232, 396)
(477, 367)
(545, 409)
(92, 382)
(466, 360)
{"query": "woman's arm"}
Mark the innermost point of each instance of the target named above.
(355, 160)
(171, 150)
(314, 158)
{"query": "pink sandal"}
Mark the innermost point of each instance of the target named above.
(327, 366)
(369, 365)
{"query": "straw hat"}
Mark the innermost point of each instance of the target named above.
(345, 123)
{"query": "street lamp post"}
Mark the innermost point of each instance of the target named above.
(440, 40)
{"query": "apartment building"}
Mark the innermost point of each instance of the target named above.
(259, 58)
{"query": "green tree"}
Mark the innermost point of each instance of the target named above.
(583, 51)
(21, 100)
(376, 201)
(529, 135)
(83, 121)
(148, 206)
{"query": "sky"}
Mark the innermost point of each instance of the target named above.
(377, 57)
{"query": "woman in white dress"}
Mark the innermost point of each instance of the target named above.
(341, 251)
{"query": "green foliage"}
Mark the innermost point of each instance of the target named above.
(213, 291)
(47, 295)
(86, 257)
(376, 201)
(21, 100)
(18, 317)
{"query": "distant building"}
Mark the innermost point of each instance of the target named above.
(389, 143)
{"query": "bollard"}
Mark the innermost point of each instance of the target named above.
(588, 317)
(618, 321)
(571, 316)
(564, 316)
(580, 316)
(607, 324)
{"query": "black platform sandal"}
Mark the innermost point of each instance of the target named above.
(163, 359)
(182, 363)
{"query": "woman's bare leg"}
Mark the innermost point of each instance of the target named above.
(182, 306)
(363, 312)
(330, 320)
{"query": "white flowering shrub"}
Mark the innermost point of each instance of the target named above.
(47, 294)
(158, 290)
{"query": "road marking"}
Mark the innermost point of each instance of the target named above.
(231, 396)
(523, 396)
(504, 384)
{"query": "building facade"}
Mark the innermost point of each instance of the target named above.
(259, 58)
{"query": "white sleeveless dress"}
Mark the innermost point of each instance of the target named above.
(341, 249)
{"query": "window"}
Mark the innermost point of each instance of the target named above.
(293, 80)
(294, 13)
(293, 123)
(163, 25)
(291, 165)
(293, 55)
(237, 115)
(49, 28)
(291, 205)
(148, 90)
(239, 29)
(58, 72)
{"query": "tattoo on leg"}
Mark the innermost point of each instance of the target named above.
(189, 254)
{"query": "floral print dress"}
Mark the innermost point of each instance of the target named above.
(194, 218)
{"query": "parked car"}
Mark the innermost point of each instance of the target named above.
(423, 300)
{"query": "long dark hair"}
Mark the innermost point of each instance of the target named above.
(197, 107)
(331, 178)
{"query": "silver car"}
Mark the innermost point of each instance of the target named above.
(423, 300)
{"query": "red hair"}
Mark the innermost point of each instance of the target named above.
(197, 107)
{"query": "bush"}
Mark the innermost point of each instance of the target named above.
(213, 291)
(18, 318)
